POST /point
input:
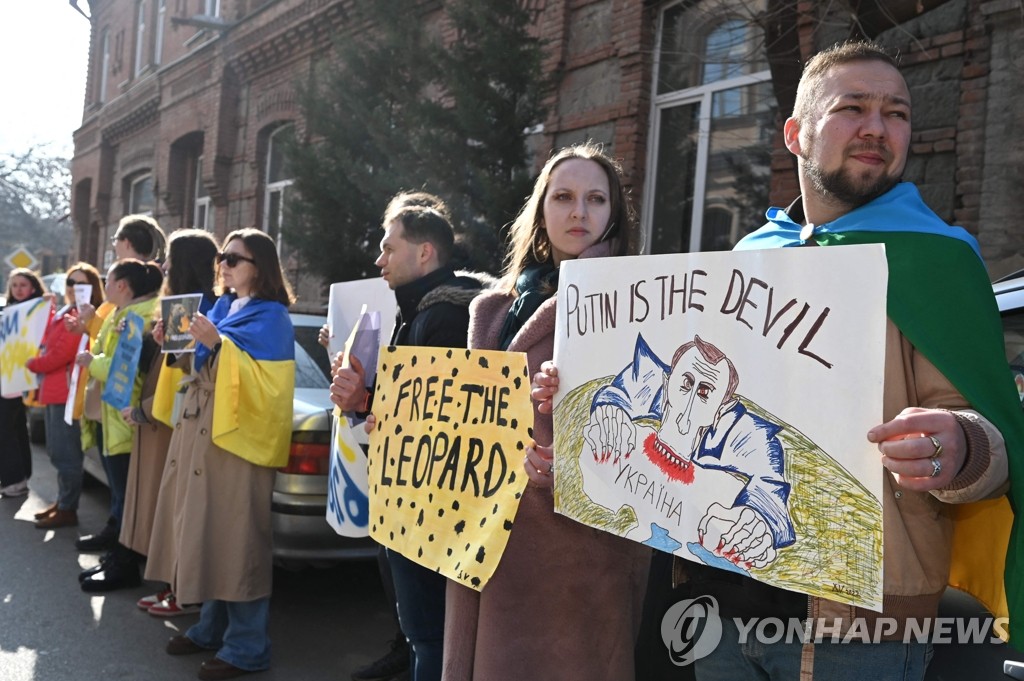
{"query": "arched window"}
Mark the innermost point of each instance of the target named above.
(713, 114)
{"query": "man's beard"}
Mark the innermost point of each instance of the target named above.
(843, 187)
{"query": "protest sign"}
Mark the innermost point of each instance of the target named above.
(446, 458)
(716, 405)
(21, 331)
(76, 374)
(124, 367)
(348, 508)
(177, 313)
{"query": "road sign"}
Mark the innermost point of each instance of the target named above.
(21, 257)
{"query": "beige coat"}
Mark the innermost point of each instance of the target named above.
(565, 601)
(145, 470)
(212, 531)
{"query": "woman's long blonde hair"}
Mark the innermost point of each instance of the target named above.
(528, 240)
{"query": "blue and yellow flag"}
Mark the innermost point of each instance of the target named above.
(255, 386)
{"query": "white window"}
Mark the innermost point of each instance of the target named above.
(140, 195)
(140, 36)
(212, 8)
(158, 47)
(104, 66)
(278, 181)
(202, 216)
(712, 121)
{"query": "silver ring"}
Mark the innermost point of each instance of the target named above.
(938, 446)
(936, 467)
(551, 467)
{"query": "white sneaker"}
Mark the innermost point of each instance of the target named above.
(18, 489)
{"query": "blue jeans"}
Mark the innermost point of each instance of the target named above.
(240, 630)
(421, 594)
(886, 661)
(64, 445)
(116, 467)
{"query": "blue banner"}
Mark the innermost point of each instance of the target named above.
(125, 365)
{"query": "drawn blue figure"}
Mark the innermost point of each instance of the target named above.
(700, 422)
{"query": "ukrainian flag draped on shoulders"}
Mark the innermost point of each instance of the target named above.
(255, 384)
(169, 382)
(940, 298)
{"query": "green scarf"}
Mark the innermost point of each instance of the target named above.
(537, 283)
(940, 297)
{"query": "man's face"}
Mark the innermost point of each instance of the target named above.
(400, 261)
(694, 392)
(853, 145)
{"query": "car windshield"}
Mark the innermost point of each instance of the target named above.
(312, 366)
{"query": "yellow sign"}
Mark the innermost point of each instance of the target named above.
(21, 257)
(445, 469)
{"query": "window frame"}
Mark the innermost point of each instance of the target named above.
(703, 96)
(276, 187)
(140, 38)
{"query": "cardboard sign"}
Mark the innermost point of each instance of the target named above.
(715, 406)
(446, 458)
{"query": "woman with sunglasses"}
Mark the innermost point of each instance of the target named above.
(15, 451)
(54, 364)
(132, 286)
(190, 267)
(213, 524)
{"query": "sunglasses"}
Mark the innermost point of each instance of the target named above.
(232, 259)
(72, 282)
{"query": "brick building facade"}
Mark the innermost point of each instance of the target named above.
(187, 101)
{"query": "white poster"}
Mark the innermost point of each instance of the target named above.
(716, 406)
(371, 302)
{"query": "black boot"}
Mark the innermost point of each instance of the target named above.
(104, 540)
(394, 663)
(121, 572)
(105, 560)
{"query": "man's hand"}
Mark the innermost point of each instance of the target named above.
(348, 389)
(324, 337)
(908, 449)
(738, 534)
(610, 434)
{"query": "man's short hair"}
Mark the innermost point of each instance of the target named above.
(808, 91)
(421, 224)
(419, 198)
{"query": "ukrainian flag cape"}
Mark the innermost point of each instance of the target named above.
(255, 385)
(940, 298)
(168, 383)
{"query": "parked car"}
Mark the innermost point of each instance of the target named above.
(301, 534)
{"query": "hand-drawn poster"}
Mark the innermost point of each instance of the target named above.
(348, 503)
(716, 406)
(117, 391)
(21, 331)
(446, 471)
(177, 313)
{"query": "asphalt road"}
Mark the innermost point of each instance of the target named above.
(324, 622)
